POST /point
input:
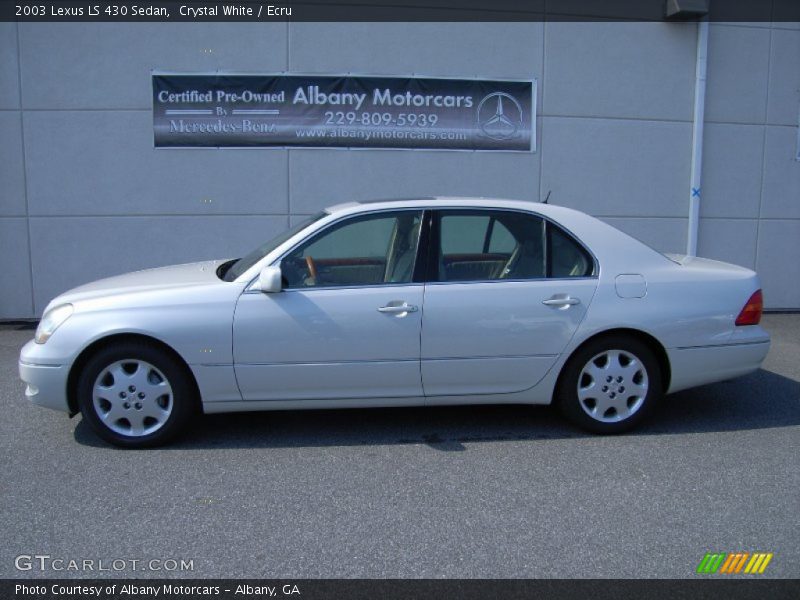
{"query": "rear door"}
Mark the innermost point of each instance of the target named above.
(506, 294)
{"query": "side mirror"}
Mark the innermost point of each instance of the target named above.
(269, 280)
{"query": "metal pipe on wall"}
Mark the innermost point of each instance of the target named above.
(697, 136)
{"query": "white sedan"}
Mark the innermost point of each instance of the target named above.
(400, 303)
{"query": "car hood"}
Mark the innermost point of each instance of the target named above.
(149, 280)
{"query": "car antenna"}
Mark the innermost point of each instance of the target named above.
(546, 198)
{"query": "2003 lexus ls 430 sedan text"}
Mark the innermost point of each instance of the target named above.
(400, 303)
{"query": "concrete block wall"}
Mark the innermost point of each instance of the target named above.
(84, 194)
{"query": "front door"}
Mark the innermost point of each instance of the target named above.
(346, 325)
(508, 293)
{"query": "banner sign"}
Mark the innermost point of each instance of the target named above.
(343, 112)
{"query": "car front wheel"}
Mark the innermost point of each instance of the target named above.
(610, 385)
(135, 395)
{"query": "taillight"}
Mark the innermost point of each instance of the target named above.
(751, 313)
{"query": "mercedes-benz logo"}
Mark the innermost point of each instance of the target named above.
(499, 116)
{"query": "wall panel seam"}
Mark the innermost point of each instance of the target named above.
(540, 129)
(25, 168)
(155, 215)
(85, 109)
(763, 151)
(288, 151)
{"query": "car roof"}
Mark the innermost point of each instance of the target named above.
(444, 202)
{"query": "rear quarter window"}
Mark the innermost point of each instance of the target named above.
(566, 257)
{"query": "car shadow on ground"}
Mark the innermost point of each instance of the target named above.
(761, 400)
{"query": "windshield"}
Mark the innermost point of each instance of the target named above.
(241, 265)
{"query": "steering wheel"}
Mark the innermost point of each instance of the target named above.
(312, 267)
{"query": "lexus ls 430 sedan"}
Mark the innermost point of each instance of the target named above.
(400, 303)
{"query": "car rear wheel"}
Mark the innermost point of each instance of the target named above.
(610, 385)
(135, 395)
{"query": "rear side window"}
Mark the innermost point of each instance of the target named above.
(480, 245)
(485, 245)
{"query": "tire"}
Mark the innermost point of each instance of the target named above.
(588, 398)
(136, 395)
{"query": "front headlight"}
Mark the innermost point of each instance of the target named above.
(52, 320)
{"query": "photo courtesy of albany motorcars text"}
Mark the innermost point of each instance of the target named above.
(400, 303)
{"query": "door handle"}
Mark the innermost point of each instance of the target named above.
(397, 308)
(562, 301)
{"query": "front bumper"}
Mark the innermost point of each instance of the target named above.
(46, 383)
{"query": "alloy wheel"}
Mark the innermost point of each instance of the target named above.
(132, 398)
(612, 386)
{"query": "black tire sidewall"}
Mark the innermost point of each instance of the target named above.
(567, 393)
(183, 394)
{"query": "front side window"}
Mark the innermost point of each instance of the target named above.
(365, 250)
(483, 245)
